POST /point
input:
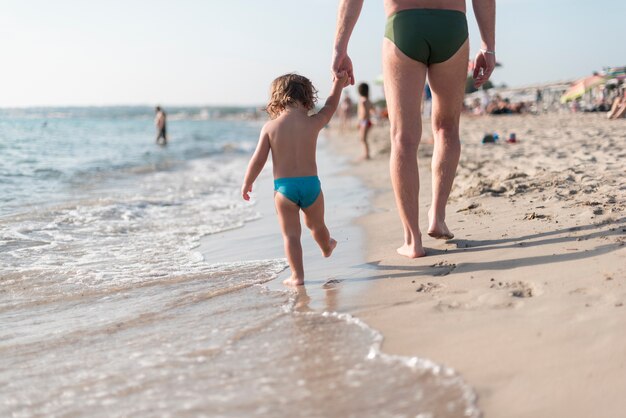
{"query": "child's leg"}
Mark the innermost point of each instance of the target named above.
(314, 220)
(289, 220)
(363, 131)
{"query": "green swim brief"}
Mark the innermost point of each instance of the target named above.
(429, 36)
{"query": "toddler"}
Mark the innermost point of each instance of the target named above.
(291, 135)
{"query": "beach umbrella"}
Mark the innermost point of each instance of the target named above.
(582, 86)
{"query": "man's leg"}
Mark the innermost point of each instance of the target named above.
(404, 84)
(289, 220)
(447, 82)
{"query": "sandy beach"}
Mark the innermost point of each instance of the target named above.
(527, 302)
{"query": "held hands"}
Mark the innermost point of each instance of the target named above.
(342, 63)
(341, 79)
(484, 64)
(246, 189)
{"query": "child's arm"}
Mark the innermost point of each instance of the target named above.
(257, 162)
(323, 116)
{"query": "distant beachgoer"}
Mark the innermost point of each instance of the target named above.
(485, 101)
(364, 112)
(499, 106)
(427, 103)
(291, 136)
(345, 112)
(539, 100)
(618, 108)
(423, 38)
(161, 125)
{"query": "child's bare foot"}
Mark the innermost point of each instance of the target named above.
(331, 246)
(411, 251)
(438, 229)
(293, 281)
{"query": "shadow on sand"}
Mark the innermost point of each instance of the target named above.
(605, 230)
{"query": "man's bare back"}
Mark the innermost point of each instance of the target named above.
(394, 6)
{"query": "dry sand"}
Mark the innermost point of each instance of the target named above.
(528, 302)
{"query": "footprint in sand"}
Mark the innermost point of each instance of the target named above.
(428, 287)
(443, 268)
(518, 289)
(331, 283)
(534, 215)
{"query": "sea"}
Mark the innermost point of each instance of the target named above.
(109, 307)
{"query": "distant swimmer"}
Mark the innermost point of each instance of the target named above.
(160, 123)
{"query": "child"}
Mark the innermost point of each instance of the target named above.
(365, 108)
(291, 135)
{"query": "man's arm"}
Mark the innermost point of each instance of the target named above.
(327, 112)
(257, 162)
(348, 14)
(485, 12)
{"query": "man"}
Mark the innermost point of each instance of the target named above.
(423, 37)
(160, 123)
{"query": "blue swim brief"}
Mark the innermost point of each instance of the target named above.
(302, 191)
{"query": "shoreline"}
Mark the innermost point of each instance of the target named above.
(533, 323)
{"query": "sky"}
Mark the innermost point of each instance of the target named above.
(209, 52)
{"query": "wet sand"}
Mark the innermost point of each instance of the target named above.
(527, 302)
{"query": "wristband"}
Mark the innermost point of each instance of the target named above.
(486, 51)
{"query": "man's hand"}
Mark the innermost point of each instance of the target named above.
(483, 67)
(245, 190)
(342, 63)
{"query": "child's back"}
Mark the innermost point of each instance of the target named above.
(293, 140)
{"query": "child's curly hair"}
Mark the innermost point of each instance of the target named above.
(290, 89)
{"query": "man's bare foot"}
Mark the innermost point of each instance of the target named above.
(293, 281)
(411, 251)
(438, 229)
(331, 247)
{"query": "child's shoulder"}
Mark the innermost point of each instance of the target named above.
(269, 125)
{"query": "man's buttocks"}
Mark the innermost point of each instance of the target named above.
(394, 6)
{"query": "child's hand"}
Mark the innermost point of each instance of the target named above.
(342, 79)
(245, 190)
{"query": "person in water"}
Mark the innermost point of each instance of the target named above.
(160, 123)
(291, 136)
(364, 111)
(423, 37)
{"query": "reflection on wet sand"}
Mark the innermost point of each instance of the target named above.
(331, 297)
